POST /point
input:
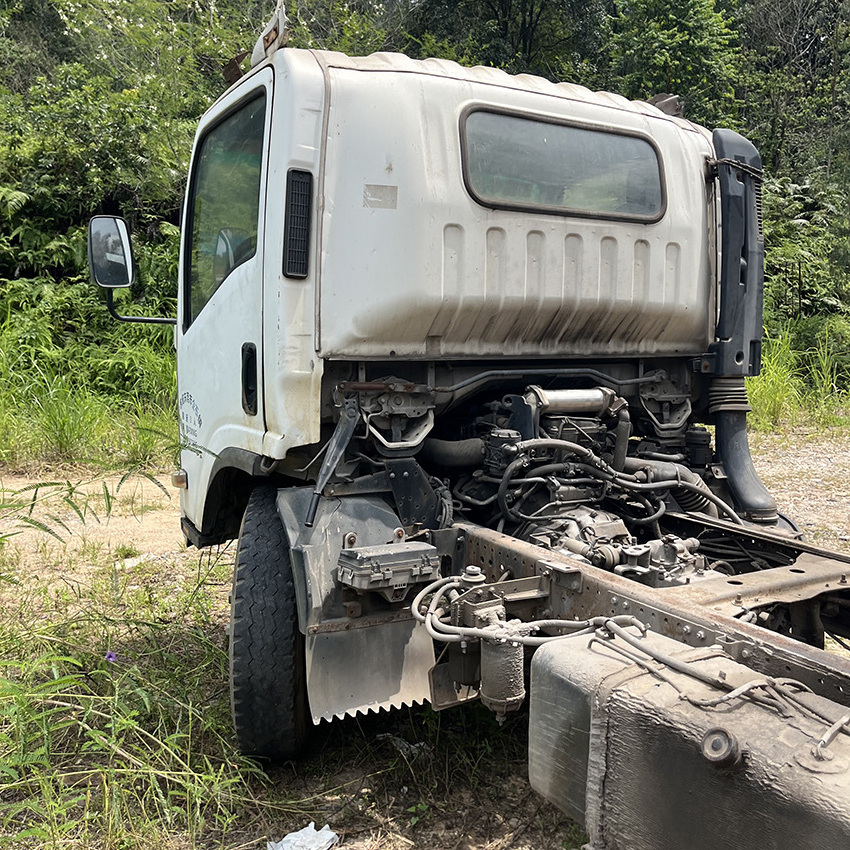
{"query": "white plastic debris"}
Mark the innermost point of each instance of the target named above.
(308, 838)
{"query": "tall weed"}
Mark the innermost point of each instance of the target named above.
(137, 370)
(826, 397)
(804, 377)
(147, 437)
(111, 748)
(67, 420)
(114, 724)
(776, 394)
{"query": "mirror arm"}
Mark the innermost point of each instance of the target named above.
(145, 320)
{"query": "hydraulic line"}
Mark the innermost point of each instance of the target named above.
(515, 631)
(597, 467)
(627, 483)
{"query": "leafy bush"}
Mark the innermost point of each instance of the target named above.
(804, 270)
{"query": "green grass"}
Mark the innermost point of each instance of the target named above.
(135, 750)
(64, 419)
(125, 550)
(47, 506)
(800, 385)
(115, 728)
(114, 718)
(57, 423)
(776, 395)
(828, 395)
(110, 405)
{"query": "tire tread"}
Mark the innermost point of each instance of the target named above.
(267, 679)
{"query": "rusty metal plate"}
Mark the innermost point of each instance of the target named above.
(810, 576)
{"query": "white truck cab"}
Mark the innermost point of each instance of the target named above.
(346, 211)
(461, 362)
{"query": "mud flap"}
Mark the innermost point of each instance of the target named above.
(354, 665)
(367, 669)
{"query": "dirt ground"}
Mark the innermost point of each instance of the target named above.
(140, 512)
(139, 521)
(809, 474)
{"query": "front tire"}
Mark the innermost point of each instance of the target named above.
(268, 693)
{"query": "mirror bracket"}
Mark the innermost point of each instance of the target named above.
(144, 320)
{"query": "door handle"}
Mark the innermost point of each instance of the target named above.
(249, 378)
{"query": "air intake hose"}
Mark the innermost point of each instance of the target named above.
(453, 453)
(728, 402)
(666, 471)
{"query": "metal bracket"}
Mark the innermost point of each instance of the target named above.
(337, 445)
(443, 691)
(415, 499)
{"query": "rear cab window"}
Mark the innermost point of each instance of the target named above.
(518, 162)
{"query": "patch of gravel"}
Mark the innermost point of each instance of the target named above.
(809, 475)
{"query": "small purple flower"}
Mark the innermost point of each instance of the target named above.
(110, 656)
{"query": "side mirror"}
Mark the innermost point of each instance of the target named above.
(110, 252)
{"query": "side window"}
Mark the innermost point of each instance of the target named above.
(224, 202)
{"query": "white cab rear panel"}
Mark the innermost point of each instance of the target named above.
(413, 267)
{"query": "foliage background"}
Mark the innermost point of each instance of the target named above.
(99, 100)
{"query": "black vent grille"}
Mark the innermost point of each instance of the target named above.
(759, 215)
(296, 228)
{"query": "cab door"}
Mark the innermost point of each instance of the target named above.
(220, 314)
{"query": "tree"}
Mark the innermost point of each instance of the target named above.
(795, 81)
(556, 39)
(33, 41)
(684, 47)
(355, 27)
(805, 270)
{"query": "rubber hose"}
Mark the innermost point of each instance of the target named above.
(518, 463)
(750, 496)
(665, 471)
(453, 453)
